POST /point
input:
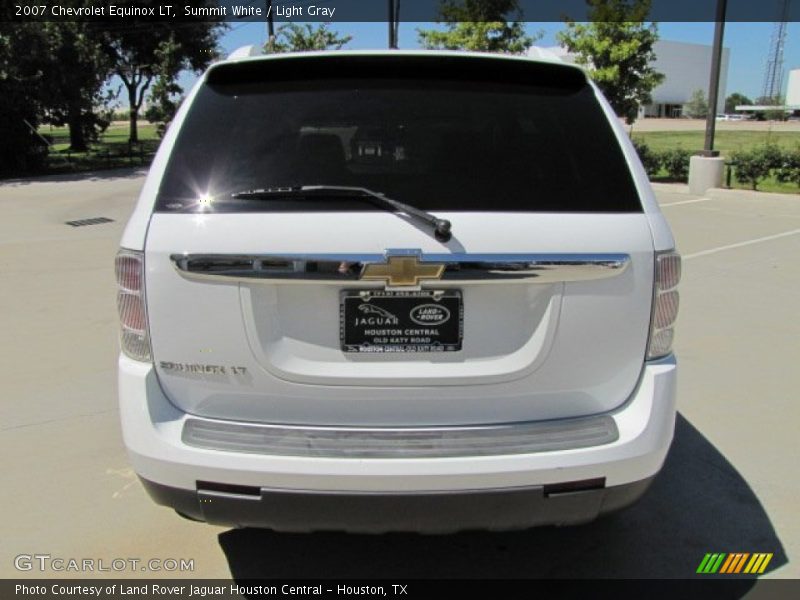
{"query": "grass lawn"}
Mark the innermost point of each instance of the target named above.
(117, 133)
(726, 142)
(111, 149)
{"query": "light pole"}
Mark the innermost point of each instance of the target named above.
(705, 169)
(392, 27)
(270, 29)
(713, 86)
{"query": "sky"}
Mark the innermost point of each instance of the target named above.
(748, 43)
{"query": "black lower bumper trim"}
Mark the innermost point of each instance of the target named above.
(427, 512)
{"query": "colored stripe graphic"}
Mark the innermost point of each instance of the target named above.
(741, 562)
(703, 563)
(711, 563)
(717, 563)
(734, 563)
(727, 564)
(758, 563)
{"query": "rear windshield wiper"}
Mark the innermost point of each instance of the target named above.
(441, 227)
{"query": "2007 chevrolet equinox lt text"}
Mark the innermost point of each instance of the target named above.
(382, 291)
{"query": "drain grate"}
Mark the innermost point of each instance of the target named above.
(93, 221)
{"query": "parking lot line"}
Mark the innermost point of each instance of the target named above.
(741, 244)
(692, 201)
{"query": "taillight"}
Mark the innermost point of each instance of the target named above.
(665, 304)
(134, 337)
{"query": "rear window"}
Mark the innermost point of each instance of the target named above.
(439, 139)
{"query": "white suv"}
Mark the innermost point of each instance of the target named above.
(384, 291)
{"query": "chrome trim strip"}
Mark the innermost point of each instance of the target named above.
(398, 442)
(338, 268)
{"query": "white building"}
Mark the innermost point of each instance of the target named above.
(793, 88)
(686, 68)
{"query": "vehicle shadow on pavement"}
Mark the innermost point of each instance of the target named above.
(698, 504)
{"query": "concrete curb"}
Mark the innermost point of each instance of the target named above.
(724, 193)
(678, 188)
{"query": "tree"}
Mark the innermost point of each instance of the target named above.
(734, 100)
(22, 50)
(293, 37)
(617, 48)
(697, 106)
(73, 74)
(165, 99)
(479, 25)
(166, 95)
(137, 50)
(50, 72)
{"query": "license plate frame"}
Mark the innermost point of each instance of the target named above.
(401, 322)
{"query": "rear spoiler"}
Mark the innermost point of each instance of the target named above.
(453, 66)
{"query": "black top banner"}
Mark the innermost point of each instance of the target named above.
(281, 11)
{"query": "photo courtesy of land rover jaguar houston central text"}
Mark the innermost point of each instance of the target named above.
(396, 291)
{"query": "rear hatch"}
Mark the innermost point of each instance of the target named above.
(321, 308)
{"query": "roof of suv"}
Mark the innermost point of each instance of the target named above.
(537, 55)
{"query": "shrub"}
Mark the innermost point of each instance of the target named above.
(754, 165)
(789, 169)
(651, 160)
(676, 162)
(773, 155)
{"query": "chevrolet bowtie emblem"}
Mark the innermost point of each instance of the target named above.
(402, 271)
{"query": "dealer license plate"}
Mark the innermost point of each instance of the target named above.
(393, 321)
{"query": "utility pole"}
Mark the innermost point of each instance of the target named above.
(713, 86)
(270, 29)
(773, 76)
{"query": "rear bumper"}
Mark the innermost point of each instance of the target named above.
(377, 494)
(430, 512)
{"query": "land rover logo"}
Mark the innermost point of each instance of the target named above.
(429, 314)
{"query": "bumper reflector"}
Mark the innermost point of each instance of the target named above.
(427, 442)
